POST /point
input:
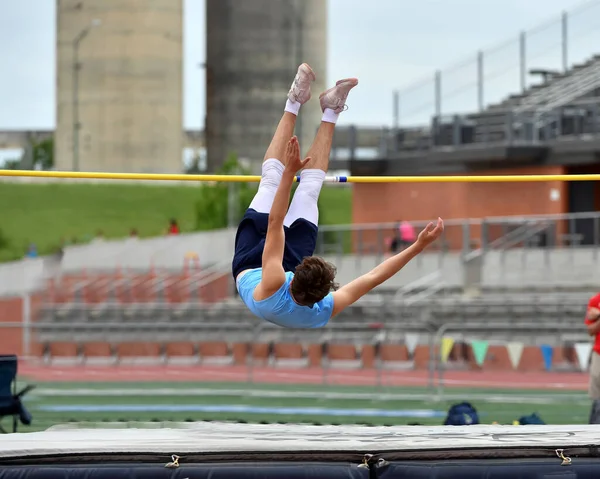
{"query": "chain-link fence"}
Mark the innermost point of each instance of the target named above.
(490, 76)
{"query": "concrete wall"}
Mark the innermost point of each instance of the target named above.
(163, 253)
(130, 85)
(253, 50)
(513, 268)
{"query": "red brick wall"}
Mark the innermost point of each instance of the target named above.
(390, 202)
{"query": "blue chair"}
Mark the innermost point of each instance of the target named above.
(10, 399)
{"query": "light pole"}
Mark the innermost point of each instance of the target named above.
(76, 66)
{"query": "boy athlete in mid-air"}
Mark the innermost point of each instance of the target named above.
(277, 276)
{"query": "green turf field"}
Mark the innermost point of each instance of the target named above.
(55, 403)
(44, 214)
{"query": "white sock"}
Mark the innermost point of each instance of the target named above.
(330, 116)
(293, 107)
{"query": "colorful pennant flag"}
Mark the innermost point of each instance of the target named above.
(547, 354)
(515, 350)
(583, 351)
(411, 340)
(479, 351)
(447, 344)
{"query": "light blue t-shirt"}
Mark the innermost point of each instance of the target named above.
(280, 308)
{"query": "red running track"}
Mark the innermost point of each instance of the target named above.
(235, 374)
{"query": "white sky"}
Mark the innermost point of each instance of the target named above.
(387, 44)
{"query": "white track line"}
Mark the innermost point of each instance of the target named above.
(267, 394)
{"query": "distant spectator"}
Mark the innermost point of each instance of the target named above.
(99, 237)
(173, 227)
(32, 251)
(408, 235)
(404, 237)
(592, 321)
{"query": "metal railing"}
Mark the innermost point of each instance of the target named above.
(499, 127)
(347, 353)
(542, 240)
(504, 74)
(420, 290)
(465, 235)
(119, 287)
(563, 90)
(497, 251)
(557, 329)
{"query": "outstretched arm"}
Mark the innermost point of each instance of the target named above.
(273, 275)
(354, 290)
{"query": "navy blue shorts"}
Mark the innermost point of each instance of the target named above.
(300, 242)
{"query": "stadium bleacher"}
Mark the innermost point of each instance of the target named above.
(563, 104)
(158, 329)
(127, 308)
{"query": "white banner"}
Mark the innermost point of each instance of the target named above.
(515, 350)
(412, 341)
(583, 351)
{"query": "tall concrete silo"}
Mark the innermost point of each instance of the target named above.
(253, 50)
(119, 85)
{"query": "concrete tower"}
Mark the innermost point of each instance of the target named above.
(119, 76)
(253, 50)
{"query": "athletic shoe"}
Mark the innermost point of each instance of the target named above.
(300, 90)
(335, 98)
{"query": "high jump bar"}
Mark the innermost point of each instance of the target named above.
(328, 179)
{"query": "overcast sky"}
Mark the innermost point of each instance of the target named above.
(388, 44)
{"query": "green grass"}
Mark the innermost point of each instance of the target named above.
(503, 406)
(44, 214)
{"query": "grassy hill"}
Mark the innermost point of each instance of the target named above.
(46, 214)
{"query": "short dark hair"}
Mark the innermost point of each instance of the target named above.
(313, 280)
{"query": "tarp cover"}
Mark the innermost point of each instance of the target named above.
(585, 469)
(239, 438)
(240, 451)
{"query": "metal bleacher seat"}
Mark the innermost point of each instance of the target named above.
(222, 332)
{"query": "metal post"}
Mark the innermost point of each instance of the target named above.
(456, 130)
(565, 41)
(484, 236)
(359, 243)
(256, 334)
(432, 362)
(480, 80)
(26, 325)
(523, 54)
(379, 360)
(352, 142)
(396, 112)
(466, 237)
(438, 93)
